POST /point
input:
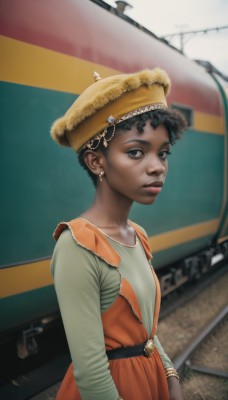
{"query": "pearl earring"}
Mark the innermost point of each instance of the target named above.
(101, 174)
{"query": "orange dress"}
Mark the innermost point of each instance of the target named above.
(136, 378)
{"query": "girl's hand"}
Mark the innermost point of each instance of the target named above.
(175, 391)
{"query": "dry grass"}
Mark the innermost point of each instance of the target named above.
(202, 387)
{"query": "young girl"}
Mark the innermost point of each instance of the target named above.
(107, 290)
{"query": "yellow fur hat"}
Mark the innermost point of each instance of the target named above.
(108, 102)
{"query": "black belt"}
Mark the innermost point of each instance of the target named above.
(143, 349)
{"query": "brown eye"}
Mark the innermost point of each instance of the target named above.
(163, 154)
(135, 153)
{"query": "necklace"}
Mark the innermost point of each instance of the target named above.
(122, 244)
(114, 240)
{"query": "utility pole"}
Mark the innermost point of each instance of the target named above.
(181, 34)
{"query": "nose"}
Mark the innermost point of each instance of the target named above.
(156, 166)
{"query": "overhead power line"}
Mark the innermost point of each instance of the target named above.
(183, 34)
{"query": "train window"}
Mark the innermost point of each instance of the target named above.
(186, 111)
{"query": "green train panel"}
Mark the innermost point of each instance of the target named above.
(49, 52)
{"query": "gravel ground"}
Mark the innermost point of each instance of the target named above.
(214, 351)
(183, 325)
(213, 354)
(48, 394)
(202, 387)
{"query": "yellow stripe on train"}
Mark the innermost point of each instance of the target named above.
(23, 278)
(182, 235)
(31, 65)
(209, 123)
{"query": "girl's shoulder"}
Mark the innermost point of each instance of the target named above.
(89, 237)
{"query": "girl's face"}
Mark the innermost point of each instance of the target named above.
(136, 163)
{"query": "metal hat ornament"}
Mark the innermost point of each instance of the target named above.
(107, 102)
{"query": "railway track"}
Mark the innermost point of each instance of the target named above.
(192, 318)
(183, 359)
(203, 365)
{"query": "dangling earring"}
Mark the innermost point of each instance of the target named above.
(101, 174)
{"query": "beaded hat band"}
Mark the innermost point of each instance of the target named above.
(108, 102)
(94, 143)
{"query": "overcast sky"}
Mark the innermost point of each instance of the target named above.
(168, 16)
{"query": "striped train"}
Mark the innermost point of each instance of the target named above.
(49, 52)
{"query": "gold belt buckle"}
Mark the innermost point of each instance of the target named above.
(149, 347)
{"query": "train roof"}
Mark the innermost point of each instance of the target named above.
(209, 67)
(79, 35)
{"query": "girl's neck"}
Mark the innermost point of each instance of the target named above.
(112, 218)
(105, 218)
(109, 210)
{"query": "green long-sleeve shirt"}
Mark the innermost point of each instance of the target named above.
(86, 286)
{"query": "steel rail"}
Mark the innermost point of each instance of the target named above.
(207, 370)
(180, 361)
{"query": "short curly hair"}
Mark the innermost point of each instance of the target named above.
(173, 120)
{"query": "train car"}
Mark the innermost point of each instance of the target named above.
(49, 50)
